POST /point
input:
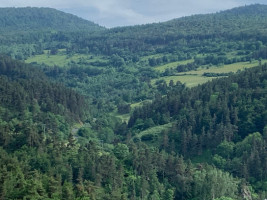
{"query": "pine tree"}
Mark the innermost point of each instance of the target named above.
(168, 194)
(67, 191)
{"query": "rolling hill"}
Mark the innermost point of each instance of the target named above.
(42, 19)
(165, 111)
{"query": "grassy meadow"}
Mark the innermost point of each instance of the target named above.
(162, 68)
(62, 59)
(194, 78)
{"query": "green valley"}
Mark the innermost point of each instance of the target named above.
(175, 110)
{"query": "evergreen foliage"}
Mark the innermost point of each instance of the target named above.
(36, 19)
(64, 130)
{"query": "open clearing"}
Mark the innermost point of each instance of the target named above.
(224, 68)
(194, 78)
(62, 59)
(173, 65)
(154, 130)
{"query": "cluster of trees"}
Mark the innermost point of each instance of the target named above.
(55, 170)
(220, 114)
(37, 163)
(36, 19)
(208, 74)
(30, 103)
(184, 37)
(28, 31)
(106, 87)
(40, 161)
(213, 145)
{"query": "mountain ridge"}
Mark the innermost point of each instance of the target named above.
(107, 115)
(33, 19)
(41, 12)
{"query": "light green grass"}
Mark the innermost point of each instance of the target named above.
(162, 68)
(61, 58)
(194, 78)
(189, 80)
(124, 118)
(155, 130)
(225, 68)
(50, 60)
(134, 105)
(138, 104)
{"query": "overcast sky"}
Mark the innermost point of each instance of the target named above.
(111, 13)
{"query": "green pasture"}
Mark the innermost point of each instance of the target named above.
(225, 68)
(157, 130)
(123, 118)
(62, 59)
(141, 103)
(189, 80)
(126, 117)
(145, 58)
(194, 78)
(162, 68)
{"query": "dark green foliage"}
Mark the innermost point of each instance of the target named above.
(219, 115)
(22, 84)
(186, 37)
(121, 151)
(216, 74)
(37, 19)
(32, 107)
(124, 108)
(221, 125)
(30, 31)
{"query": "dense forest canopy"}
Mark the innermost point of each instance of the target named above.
(42, 19)
(188, 32)
(163, 111)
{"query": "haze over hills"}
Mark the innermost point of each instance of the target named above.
(165, 111)
(226, 25)
(31, 18)
(37, 19)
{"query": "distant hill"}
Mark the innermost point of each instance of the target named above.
(236, 19)
(254, 9)
(31, 19)
(246, 23)
(129, 128)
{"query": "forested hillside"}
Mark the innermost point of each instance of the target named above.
(237, 29)
(42, 19)
(226, 117)
(29, 101)
(164, 111)
(28, 31)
